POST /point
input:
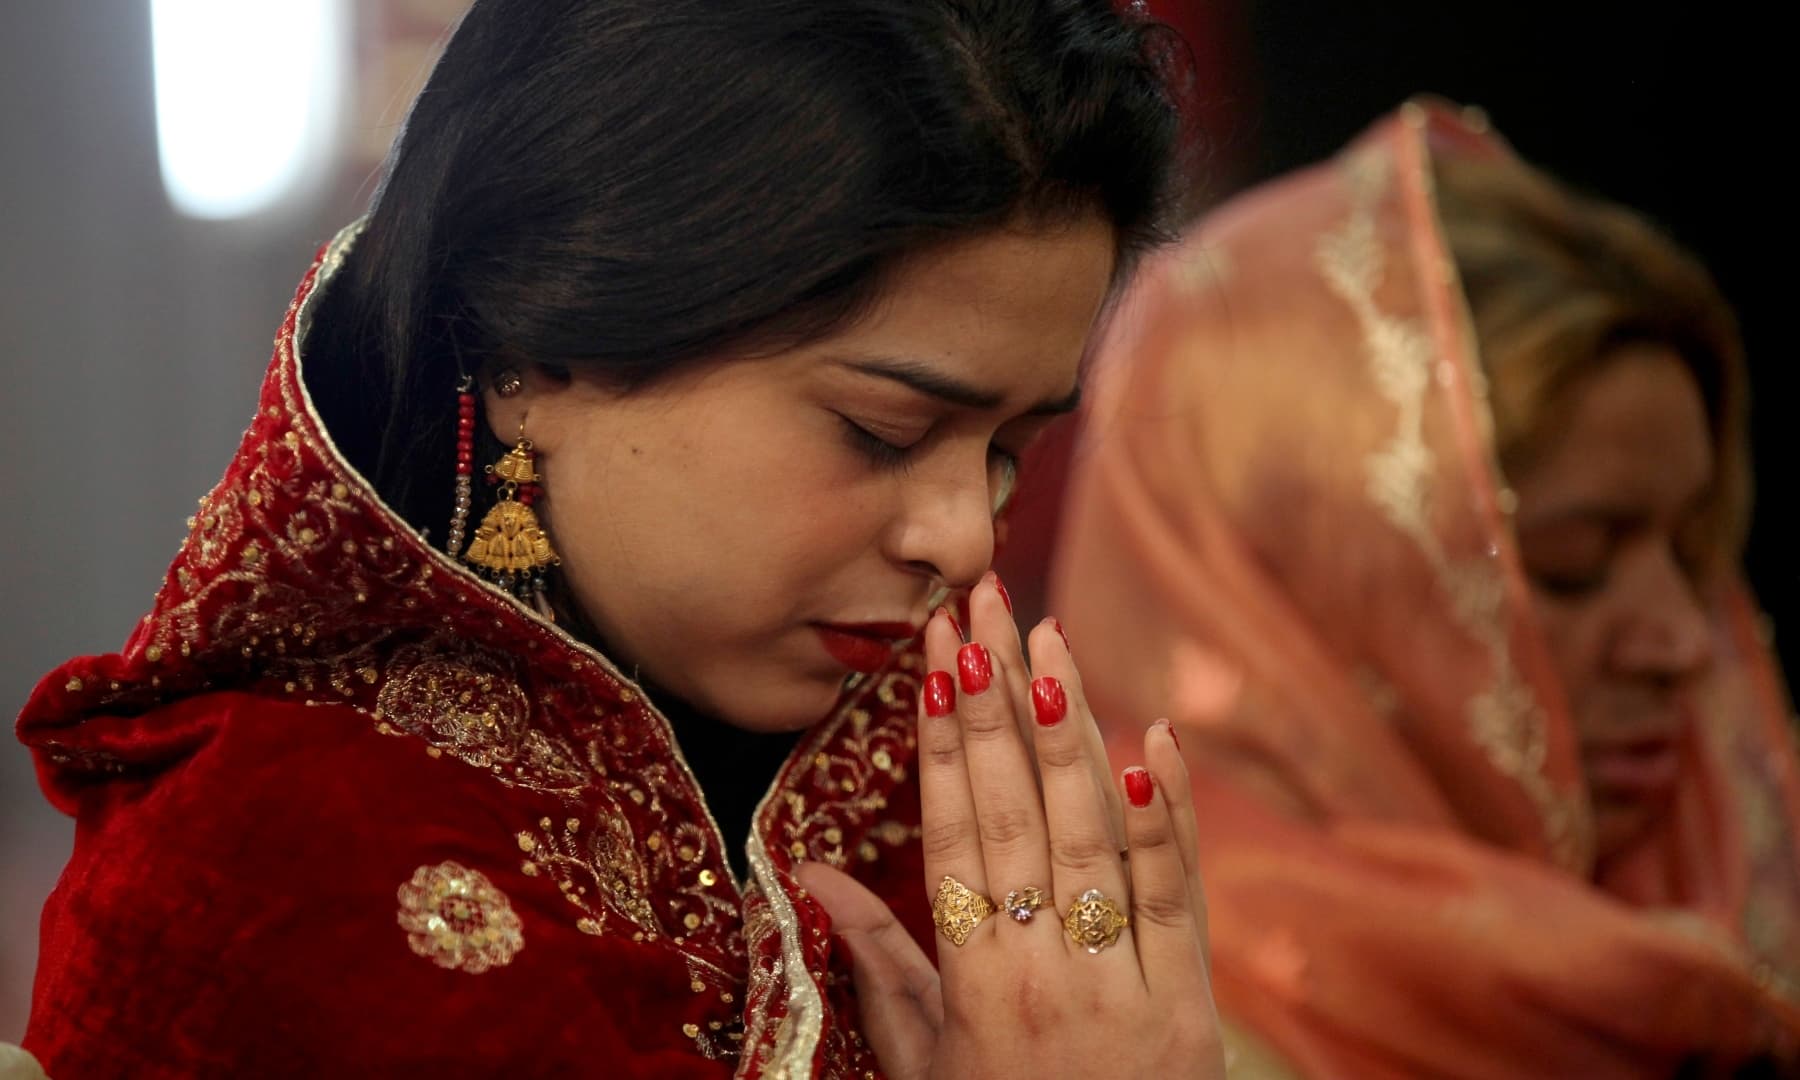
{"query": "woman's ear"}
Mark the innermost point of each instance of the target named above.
(522, 395)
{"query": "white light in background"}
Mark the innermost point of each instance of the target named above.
(248, 96)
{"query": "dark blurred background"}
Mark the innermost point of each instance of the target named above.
(133, 335)
(1665, 107)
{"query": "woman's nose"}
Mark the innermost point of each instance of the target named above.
(1671, 632)
(947, 529)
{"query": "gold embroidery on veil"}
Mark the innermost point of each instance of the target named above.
(1505, 719)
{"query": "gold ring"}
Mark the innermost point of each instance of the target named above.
(1021, 904)
(1094, 922)
(957, 910)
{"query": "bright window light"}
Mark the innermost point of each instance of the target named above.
(247, 99)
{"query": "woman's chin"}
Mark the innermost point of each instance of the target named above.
(786, 707)
(1620, 825)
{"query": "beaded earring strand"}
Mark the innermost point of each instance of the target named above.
(465, 465)
(510, 547)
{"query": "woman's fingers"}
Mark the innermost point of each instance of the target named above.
(1115, 816)
(1084, 853)
(895, 1021)
(949, 830)
(897, 989)
(1000, 633)
(1009, 810)
(1162, 752)
(1163, 907)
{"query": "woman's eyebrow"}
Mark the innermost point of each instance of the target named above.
(932, 383)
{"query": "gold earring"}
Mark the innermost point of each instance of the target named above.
(510, 547)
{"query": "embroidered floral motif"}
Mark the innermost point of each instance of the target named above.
(853, 767)
(455, 917)
(466, 703)
(720, 1038)
(598, 872)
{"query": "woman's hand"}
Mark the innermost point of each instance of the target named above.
(1004, 812)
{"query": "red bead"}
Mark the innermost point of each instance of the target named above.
(464, 468)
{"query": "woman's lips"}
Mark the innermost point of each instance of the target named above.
(864, 647)
(1640, 771)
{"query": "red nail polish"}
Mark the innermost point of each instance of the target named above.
(1000, 587)
(940, 694)
(1139, 787)
(1169, 725)
(1048, 701)
(973, 668)
(951, 615)
(1070, 649)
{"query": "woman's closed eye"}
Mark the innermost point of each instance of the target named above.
(883, 449)
(1570, 585)
(895, 451)
(1568, 560)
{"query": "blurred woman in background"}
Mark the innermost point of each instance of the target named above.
(744, 313)
(1417, 484)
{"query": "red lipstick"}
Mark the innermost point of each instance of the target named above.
(865, 647)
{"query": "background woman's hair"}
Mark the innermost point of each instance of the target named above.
(630, 186)
(1556, 282)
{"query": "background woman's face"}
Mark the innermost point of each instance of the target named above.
(715, 528)
(1606, 523)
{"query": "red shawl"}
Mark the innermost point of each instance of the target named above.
(345, 809)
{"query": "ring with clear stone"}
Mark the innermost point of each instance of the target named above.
(1022, 904)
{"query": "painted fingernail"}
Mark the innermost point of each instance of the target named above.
(973, 668)
(1070, 649)
(940, 694)
(1169, 726)
(1000, 587)
(1139, 787)
(1048, 701)
(945, 611)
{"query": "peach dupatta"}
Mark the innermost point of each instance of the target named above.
(1287, 527)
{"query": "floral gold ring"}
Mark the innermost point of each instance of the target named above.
(1022, 904)
(957, 910)
(1094, 922)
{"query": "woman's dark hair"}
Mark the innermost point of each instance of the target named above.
(628, 186)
